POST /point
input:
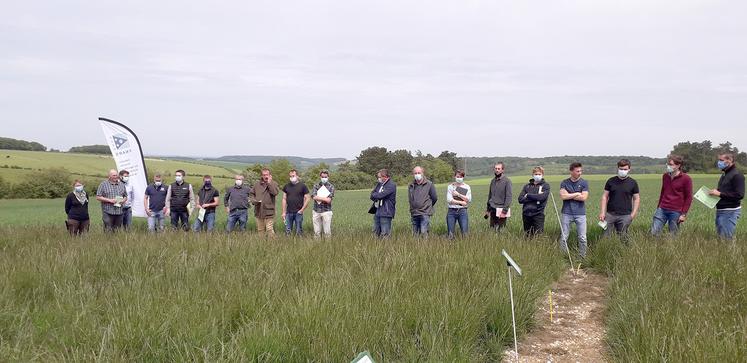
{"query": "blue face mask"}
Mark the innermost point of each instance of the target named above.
(721, 165)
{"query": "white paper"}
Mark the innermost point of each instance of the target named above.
(323, 192)
(201, 215)
(498, 212)
(603, 224)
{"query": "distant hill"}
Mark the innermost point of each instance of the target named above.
(7, 143)
(558, 165)
(232, 160)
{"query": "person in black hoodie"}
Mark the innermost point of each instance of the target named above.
(533, 197)
(731, 191)
(76, 208)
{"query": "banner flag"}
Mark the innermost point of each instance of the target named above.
(128, 155)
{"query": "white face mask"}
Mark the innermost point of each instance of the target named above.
(418, 176)
(622, 173)
(324, 180)
(670, 169)
(294, 179)
(125, 179)
(381, 180)
(158, 183)
(238, 182)
(78, 188)
(537, 178)
(178, 178)
(459, 180)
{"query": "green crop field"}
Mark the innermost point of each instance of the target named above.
(180, 296)
(92, 165)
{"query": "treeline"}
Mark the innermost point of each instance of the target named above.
(14, 144)
(700, 157)
(91, 149)
(559, 164)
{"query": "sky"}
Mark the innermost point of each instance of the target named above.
(330, 78)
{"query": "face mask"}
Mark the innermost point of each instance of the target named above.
(294, 179)
(537, 178)
(381, 181)
(459, 180)
(178, 178)
(622, 173)
(208, 183)
(324, 180)
(498, 175)
(238, 182)
(721, 165)
(670, 169)
(418, 176)
(158, 183)
(78, 188)
(125, 178)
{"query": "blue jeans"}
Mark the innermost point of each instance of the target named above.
(455, 215)
(208, 223)
(290, 220)
(156, 218)
(565, 231)
(421, 225)
(726, 222)
(664, 216)
(126, 217)
(382, 227)
(237, 216)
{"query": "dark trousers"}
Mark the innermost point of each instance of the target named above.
(534, 225)
(495, 222)
(126, 218)
(76, 227)
(180, 220)
(112, 222)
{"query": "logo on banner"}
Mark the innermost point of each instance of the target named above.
(120, 140)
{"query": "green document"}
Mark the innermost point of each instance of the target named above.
(705, 198)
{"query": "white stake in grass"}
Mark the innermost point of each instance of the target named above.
(511, 264)
(557, 214)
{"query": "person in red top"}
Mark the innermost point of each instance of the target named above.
(675, 198)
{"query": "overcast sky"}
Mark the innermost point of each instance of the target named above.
(329, 78)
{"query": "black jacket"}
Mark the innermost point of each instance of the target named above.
(74, 209)
(534, 197)
(731, 186)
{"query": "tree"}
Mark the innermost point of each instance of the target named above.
(701, 156)
(311, 175)
(373, 159)
(48, 183)
(279, 169)
(13, 144)
(450, 158)
(91, 149)
(400, 162)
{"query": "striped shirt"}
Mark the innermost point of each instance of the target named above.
(110, 190)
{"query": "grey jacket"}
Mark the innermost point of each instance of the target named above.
(422, 198)
(237, 197)
(499, 195)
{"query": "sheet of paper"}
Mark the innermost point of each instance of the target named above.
(603, 224)
(323, 192)
(708, 200)
(498, 212)
(201, 215)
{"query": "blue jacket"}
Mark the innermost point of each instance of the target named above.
(387, 196)
(534, 197)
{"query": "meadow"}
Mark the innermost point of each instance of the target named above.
(180, 296)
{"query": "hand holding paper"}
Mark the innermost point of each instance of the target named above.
(704, 197)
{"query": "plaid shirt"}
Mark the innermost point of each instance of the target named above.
(109, 190)
(323, 207)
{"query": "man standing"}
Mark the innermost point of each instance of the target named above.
(124, 177)
(207, 199)
(179, 199)
(237, 204)
(499, 199)
(675, 197)
(384, 197)
(731, 191)
(155, 204)
(263, 195)
(533, 197)
(422, 196)
(112, 195)
(574, 191)
(295, 199)
(321, 215)
(620, 201)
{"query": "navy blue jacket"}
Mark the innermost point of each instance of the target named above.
(533, 200)
(388, 198)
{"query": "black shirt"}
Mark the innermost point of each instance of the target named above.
(74, 209)
(294, 194)
(731, 186)
(621, 195)
(207, 196)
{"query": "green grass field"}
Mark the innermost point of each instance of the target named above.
(179, 296)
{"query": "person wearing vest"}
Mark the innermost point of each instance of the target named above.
(179, 199)
(207, 199)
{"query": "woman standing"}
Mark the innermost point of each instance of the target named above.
(458, 197)
(76, 208)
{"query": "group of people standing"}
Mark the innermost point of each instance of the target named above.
(619, 203)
